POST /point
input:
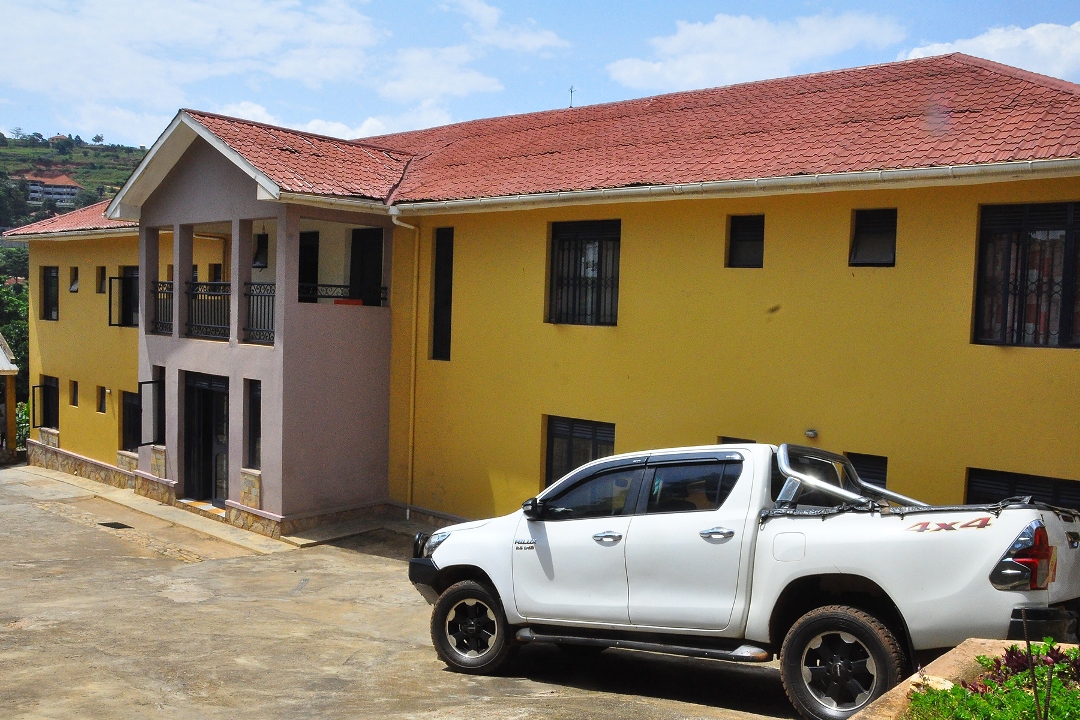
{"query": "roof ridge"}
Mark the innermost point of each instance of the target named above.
(1015, 72)
(303, 133)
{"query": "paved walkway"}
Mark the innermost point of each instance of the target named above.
(107, 611)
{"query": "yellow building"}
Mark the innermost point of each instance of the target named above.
(881, 261)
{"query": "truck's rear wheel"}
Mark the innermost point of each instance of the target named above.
(468, 629)
(836, 660)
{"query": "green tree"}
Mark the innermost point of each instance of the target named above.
(14, 210)
(3, 140)
(98, 139)
(14, 318)
(14, 262)
(65, 146)
(85, 197)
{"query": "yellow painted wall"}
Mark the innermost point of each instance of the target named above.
(877, 360)
(81, 345)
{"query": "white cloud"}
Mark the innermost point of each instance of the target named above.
(425, 114)
(486, 29)
(433, 73)
(732, 49)
(1044, 48)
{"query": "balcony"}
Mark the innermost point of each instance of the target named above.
(163, 308)
(260, 316)
(313, 292)
(208, 310)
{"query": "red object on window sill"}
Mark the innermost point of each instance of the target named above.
(348, 301)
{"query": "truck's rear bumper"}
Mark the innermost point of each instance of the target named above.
(1043, 622)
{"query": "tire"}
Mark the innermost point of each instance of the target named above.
(836, 660)
(469, 630)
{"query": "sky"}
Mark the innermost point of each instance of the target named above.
(350, 68)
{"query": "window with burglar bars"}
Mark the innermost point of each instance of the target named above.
(1027, 275)
(571, 443)
(585, 272)
(990, 486)
(50, 293)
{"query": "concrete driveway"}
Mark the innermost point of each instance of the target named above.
(159, 620)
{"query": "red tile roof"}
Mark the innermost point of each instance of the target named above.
(931, 112)
(90, 217)
(57, 180)
(306, 163)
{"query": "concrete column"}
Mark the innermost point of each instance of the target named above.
(288, 268)
(148, 277)
(9, 401)
(183, 240)
(241, 274)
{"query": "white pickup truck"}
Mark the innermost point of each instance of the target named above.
(742, 553)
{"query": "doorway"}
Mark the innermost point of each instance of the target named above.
(206, 437)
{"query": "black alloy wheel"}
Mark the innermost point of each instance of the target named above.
(836, 660)
(469, 630)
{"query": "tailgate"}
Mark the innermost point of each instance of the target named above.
(1063, 531)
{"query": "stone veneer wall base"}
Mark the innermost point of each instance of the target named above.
(247, 518)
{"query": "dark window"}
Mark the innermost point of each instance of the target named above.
(254, 419)
(728, 440)
(50, 293)
(571, 443)
(73, 279)
(48, 402)
(102, 279)
(159, 404)
(585, 272)
(688, 488)
(746, 241)
(101, 395)
(871, 468)
(1028, 268)
(131, 421)
(73, 393)
(124, 297)
(215, 272)
(366, 266)
(602, 495)
(260, 258)
(874, 240)
(309, 267)
(442, 292)
(989, 486)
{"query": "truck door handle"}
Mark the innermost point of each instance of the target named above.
(717, 532)
(607, 535)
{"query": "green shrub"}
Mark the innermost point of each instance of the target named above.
(22, 425)
(1004, 691)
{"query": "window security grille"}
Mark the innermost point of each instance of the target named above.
(572, 443)
(1028, 268)
(585, 272)
(989, 486)
(873, 242)
(871, 468)
(746, 241)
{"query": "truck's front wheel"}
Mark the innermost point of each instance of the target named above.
(469, 630)
(836, 659)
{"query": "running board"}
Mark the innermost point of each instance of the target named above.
(743, 653)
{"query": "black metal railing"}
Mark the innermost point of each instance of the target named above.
(312, 292)
(208, 310)
(260, 317)
(163, 308)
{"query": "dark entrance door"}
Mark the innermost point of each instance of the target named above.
(365, 267)
(207, 437)
(309, 267)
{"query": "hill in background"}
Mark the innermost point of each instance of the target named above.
(99, 168)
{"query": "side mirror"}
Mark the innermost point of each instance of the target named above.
(532, 508)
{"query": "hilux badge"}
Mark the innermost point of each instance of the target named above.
(524, 544)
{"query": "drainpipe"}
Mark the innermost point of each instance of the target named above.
(394, 212)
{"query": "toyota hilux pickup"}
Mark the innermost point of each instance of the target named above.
(745, 553)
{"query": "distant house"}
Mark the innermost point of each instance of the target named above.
(60, 189)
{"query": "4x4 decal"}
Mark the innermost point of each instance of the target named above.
(977, 523)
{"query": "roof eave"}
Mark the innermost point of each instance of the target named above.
(164, 154)
(824, 182)
(74, 234)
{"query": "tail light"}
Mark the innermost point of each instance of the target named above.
(1029, 564)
